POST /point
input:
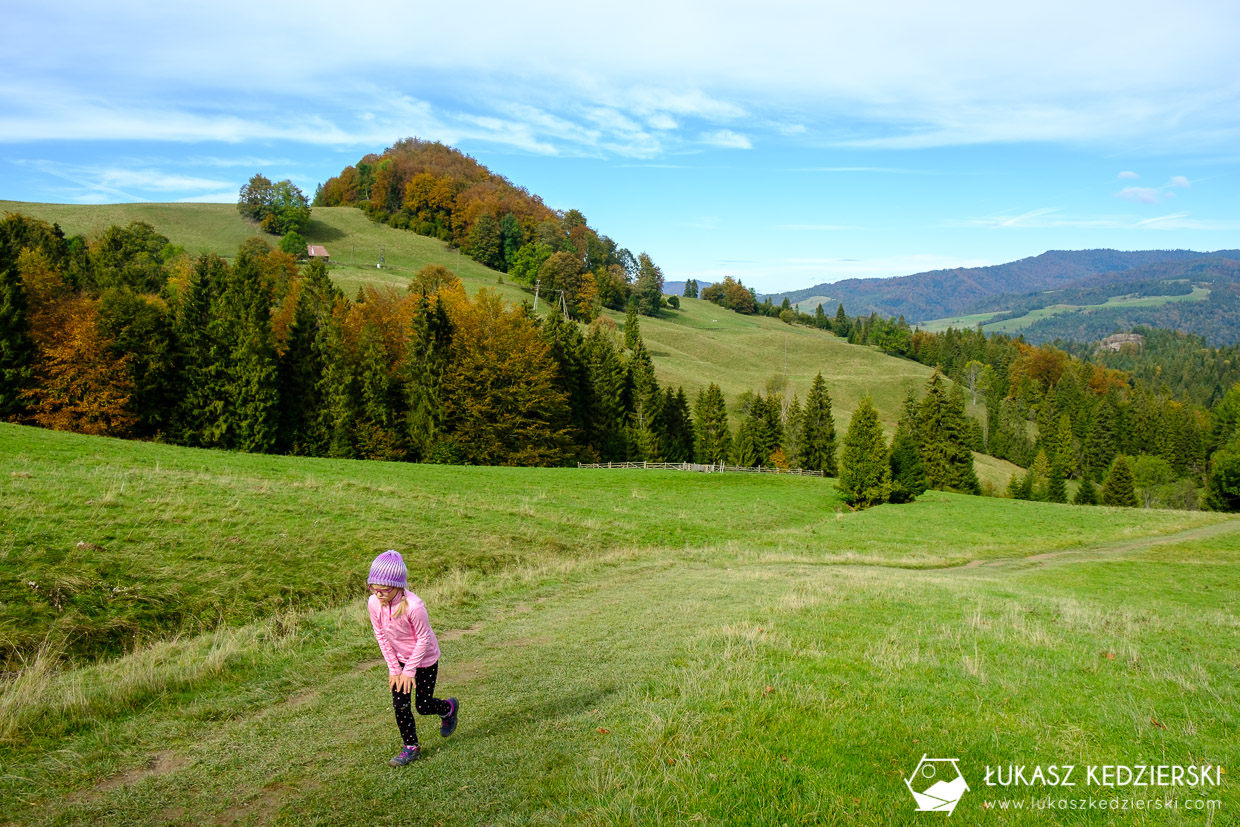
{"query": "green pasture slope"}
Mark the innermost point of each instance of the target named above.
(1021, 322)
(629, 647)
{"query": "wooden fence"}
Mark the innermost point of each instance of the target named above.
(704, 469)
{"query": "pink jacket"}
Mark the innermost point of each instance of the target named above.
(407, 639)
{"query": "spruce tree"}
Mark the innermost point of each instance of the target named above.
(201, 355)
(249, 420)
(646, 411)
(1119, 488)
(841, 325)
(865, 470)
(606, 376)
(632, 332)
(16, 347)
(712, 442)
(908, 473)
(794, 420)
(943, 434)
(816, 451)
(745, 449)
(1087, 494)
(301, 366)
(428, 352)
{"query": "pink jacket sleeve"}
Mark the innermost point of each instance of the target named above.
(420, 623)
(389, 654)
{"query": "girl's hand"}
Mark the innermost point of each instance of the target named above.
(402, 683)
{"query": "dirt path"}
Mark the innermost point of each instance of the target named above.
(1107, 551)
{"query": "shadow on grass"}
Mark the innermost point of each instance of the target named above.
(319, 233)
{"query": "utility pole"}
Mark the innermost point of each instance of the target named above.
(536, 285)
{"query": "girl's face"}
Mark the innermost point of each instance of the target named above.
(385, 593)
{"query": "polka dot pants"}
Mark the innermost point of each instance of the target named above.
(423, 700)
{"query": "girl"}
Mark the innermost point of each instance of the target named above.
(411, 650)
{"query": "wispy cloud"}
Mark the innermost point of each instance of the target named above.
(1128, 175)
(727, 139)
(1142, 195)
(815, 228)
(1050, 219)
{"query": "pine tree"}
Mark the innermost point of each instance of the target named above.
(606, 376)
(712, 442)
(1056, 488)
(250, 379)
(942, 432)
(632, 332)
(1119, 488)
(841, 325)
(302, 365)
(1102, 439)
(817, 449)
(865, 472)
(428, 353)
(908, 473)
(17, 350)
(677, 436)
(201, 355)
(745, 448)
(645, 415)
(1087, 494)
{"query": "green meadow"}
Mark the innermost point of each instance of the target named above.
(629, 647)
(1021, 322)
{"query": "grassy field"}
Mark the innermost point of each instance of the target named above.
(629, 647)
(1021, 322)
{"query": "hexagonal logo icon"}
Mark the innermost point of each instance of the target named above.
(936, 784)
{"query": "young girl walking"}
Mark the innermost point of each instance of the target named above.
(403, 630)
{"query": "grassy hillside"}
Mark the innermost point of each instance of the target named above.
(699, 344)
(628, 647)
(1023, 322)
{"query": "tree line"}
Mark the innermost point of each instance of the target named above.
(437, 191)
(1072, 413)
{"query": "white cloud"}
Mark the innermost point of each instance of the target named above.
(1128, 175)
(1143, 195)
(726, 139)
(1044, 220)
(1179, 181)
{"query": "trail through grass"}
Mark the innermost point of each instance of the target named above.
(651, 648)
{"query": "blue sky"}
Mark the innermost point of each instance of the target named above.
(785, 143)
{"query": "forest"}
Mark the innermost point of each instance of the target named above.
(127, 336)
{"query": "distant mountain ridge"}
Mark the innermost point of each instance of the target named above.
(940, 293)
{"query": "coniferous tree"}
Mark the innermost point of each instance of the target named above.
(942, 432)
(1119, 488)
(201, 355)
(1056, 487)
(242, 320)
(645, 415)
(564, 339)
(1102, 440)
(817, 449)
(908, 473)
(712, 438)
(1223, 477)
(302, 365)
(606, 375)
(1087, 494)
(429, 349)
(16, 347)
(745, 448)
(632, 332)
(677, 437)
(865, 469)
(841, 325)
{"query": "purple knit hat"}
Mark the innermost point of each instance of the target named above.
(388, 569)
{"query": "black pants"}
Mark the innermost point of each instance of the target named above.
(424, 701)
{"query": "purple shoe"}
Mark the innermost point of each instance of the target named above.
(407, 756)
(449, 721)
